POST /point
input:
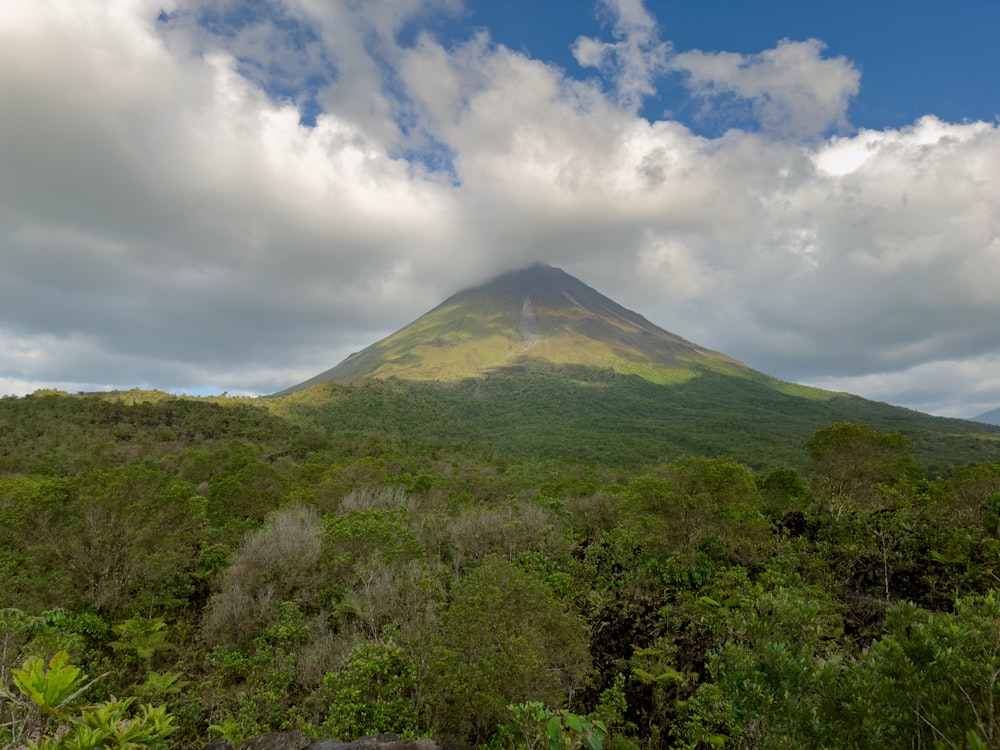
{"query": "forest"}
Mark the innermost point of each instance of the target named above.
(177, 569)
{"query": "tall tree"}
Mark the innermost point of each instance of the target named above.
(853, 462)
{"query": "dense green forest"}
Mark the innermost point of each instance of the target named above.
(179, 569)
(603, 416)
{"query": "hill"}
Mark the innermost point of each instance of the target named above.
(537, 363)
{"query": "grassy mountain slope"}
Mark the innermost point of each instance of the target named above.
(536, 314)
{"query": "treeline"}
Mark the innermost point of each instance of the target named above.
(245, 575)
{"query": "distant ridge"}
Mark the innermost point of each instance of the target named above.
(536, 313)
(989, 417)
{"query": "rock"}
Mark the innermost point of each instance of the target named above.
(293, 740)
(411, 745)
(329, 745)
(390, 742)
(374, 742)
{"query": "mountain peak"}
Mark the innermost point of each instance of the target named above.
(538, 313)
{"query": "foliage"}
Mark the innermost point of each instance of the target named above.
(122, 532)
(854, 464)
(143, 636)
(932, 680)
(508, 531)
(262, 677)
(373, 693)
(352, 537)
(504, 638)
(936, 676)
(273, 564)
(536, 726)
(48, 716)
(703, 500)
(550, 546)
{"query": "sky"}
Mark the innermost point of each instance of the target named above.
(233, 195)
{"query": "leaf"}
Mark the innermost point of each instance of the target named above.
(554, 730)
(53, 688)
(671, 675)
(573, 722)
(28, 679)
(60, 680)
(48, 688)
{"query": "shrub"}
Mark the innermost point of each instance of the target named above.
(373, 693)
(275, 563)
(504, 639)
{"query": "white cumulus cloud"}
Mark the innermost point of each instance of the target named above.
(792, 89)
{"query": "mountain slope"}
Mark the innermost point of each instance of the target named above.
(538, 313)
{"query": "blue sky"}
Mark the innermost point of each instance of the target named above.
(208, 195)
(916, 56)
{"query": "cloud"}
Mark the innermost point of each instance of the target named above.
(896, 248)
(637, 56)
(167, 203)
(791, 89)
(168, 217)
(958, 388)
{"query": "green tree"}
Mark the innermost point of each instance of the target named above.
(770, 681)
(127, 538)
(33, 515)
(935, 677)
(853, 464)
(710, 500)
(972, 492)
(354, 536)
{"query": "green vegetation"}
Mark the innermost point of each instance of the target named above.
(47, 713)
(541, 565)
(602, 416)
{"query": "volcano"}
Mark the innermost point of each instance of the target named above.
(537, 314)
(537, 363)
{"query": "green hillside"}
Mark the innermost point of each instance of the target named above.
(535, 314)
(605, 417)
